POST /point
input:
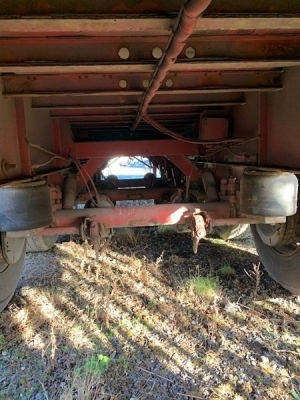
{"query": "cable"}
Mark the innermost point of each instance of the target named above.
(79, 167)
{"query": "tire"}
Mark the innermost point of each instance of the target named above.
(40, 243)
(282, 262)
(234, 232)
(9, 277)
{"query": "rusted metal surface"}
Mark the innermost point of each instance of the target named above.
(81, 54)
(136, 193)
(91, 64)
(142, 148)
(76, 8)
(111, 101)
(22, 138)
(75, 230)
(103, 84)
(132, 183)
(163, 214)
(85, 27)
(89, 170)
(264, 8)
(200, 227)
(186, 166)
(263, 129)
(251, 24)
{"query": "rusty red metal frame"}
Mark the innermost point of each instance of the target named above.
(143, 148)
(133, 193)
(102, 84)
(58, 8)
(22, 138)
(162, 214)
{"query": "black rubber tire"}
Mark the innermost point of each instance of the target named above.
(9, 278)
(27, 206)
(233, 232)
(283, 268)
(40, 243)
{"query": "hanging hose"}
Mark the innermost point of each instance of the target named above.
(184, 27)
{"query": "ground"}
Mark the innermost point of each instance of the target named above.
(150, 321)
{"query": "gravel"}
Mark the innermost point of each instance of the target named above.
(140, 309)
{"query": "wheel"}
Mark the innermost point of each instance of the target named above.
(150, 178)
(12, 256)
(112, 181)
(40, 243)
(236, 232)
(279, 251)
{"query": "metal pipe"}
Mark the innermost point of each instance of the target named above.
(185, 25)
(75, 230)
(177, 136)
(210, 186)
(70, 190)
(162, 214)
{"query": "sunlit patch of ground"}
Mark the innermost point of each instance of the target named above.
(150, 321)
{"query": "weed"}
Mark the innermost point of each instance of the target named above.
(255, 276)
(151, 303)
(167, 230)
(2, 341)
(226, 270)
(295, 395)
(86, 382)
(207, 287)
(96, 364)
(129, 236)
(219, 241)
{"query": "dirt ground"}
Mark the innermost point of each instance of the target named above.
(151, 320)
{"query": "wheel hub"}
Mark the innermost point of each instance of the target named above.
(11, 249)
(271, 235)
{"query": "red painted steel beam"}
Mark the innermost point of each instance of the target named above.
(89, 170)
(263, 122)
(38, 27)
(93, 115)
(26, 169)
(186, 166)
(163, 214)
(143, 148)
(136, 193)
(98, 8)
(217, 8)
(132, 101)
(180, 66)
(146, 26)
(133, 183)
(103, 84)
(79, 53)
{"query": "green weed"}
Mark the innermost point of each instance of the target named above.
(207, 287)
(96, 364)
(226, 270)
(2, 341)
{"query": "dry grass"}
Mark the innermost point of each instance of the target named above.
(150, 321)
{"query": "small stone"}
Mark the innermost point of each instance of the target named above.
(264, 359)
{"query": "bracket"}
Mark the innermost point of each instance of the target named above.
(201, 225)
(96, 232)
